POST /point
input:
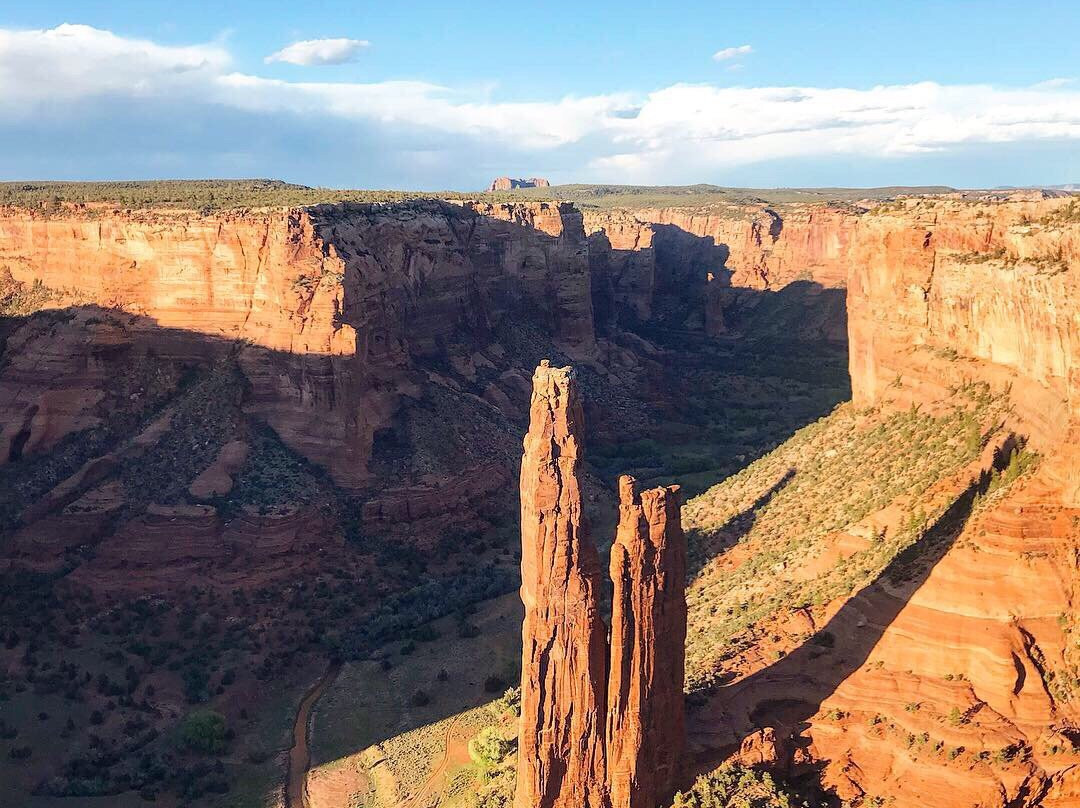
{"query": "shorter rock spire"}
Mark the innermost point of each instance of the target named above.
(645, 719)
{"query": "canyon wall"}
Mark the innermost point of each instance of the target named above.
(959, 669)
(332, 307)
(769, 248)
(943, 292)
(715, 269)
(348, 319)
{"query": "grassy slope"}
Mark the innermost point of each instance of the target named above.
(764, 542)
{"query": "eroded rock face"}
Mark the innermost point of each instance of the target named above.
(563, 668)
(645, 722)
(943, 292)
(686, 266)
(760, 247)
(580, 745)
(623, 267)
(334, 307)
(964, 693)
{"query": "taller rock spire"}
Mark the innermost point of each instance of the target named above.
(645, 720)
(563, 667)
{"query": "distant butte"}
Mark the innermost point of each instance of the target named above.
(509, 183)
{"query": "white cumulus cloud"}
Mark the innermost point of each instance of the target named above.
(724, 54)
(310, 52)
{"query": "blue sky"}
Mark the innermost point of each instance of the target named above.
(440, 95)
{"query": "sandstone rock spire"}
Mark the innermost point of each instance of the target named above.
(561, 760)
(645, 720)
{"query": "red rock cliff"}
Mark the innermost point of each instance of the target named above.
(691, 268)
(645, 723)
(980, 655)
(561, 761)
(946, 291)
(332, 306)
(768, 248)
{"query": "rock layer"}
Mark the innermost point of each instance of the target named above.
(645, 721)
(697, 268)
(944, 292)
(332, 307)
(561, 742)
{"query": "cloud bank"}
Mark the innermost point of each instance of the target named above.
(310, 52)
(79, 101)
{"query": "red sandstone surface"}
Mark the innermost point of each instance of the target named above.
(333, 311)
(509, 183)
(943, 294)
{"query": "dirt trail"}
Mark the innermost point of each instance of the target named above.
(425, 789)
(296, 795)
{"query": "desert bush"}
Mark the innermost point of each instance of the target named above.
(204, 731)
(489, 748)
(734, 786)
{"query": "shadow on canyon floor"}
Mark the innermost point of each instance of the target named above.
(709, 544)
(786, 694)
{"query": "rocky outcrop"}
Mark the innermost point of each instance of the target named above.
(510, 183)
(217, 480)
(563, 667)
(423, 513)
(645, 720)
(578, 747)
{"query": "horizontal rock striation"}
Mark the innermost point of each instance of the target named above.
(333, 306)
(945, 292)
(690, 266)
(959, 672)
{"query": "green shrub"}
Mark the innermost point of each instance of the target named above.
(733, 786)
(204, 731)
(489, 748)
